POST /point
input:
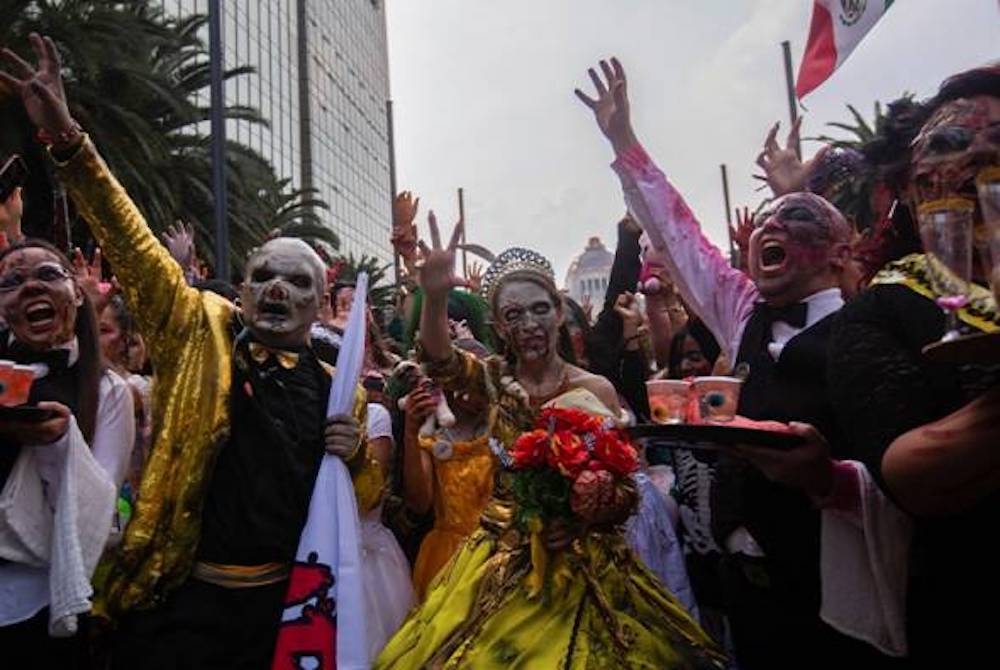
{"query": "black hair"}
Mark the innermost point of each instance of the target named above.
(696, 330)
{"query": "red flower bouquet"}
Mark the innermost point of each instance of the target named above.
(574, 467)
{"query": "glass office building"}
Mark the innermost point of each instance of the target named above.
(321, 81)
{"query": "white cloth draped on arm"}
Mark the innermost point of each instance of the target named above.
(864, 561)
(55, 538)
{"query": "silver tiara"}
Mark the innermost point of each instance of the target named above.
(515, 259)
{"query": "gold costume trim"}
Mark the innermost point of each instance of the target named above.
(913, 272)
(240, 576)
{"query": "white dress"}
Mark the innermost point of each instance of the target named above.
(388, 588)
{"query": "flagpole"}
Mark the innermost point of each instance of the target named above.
(729, 215)
(465, 224)
(793, 108)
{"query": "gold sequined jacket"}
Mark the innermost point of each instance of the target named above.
(188, 333)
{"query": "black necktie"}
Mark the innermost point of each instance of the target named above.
(794, 315)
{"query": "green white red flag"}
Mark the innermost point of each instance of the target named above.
(837, 27)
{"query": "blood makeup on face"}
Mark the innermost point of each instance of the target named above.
(960, 138)
(528, 318)
(793, 243)
(38, 297)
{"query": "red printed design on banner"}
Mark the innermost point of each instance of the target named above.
(313, 633)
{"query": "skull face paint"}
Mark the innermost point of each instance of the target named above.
(39, 297)
(282, 292)
(529, 320)
(960, 138)
(792, 246)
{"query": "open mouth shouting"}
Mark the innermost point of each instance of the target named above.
(773, 257)
(40, 315)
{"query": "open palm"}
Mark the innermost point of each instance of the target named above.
(41, 89)
(436, 266)
(611, 106)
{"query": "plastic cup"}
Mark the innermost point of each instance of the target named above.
(718, 397)
(668, 400)
(15, 383)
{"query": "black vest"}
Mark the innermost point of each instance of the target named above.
(781, 519)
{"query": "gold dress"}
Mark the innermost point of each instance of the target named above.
(599, 607)
(463, 484)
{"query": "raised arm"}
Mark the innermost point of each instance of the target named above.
(722, 296)
(152, 282)
(436, 272)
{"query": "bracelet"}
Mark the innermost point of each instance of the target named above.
(63, 138)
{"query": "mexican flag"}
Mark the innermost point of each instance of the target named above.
(837, 27)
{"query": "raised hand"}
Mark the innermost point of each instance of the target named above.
(611, 107)
(404, 231)
(783, 170)
(741, 233)
(436, 265)
(41, 90)
(588, 307)
(179, 240)
(475, 277)
(89, 276)
(627, 307)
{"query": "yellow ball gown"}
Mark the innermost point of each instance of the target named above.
(599, 607)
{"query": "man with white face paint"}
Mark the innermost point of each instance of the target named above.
(240, 407)
(774, 325)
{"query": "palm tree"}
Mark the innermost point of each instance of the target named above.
(133, 77)
(381, 293)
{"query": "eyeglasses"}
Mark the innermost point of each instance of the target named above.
(47, 273)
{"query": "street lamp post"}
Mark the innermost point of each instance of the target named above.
(218, 126)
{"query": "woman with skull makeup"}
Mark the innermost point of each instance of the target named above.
(240, 410)
(609, 611)
(75, 456)
(927, 432)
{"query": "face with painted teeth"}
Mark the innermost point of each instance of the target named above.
(796, 248)
(39, 297)
(282, 291)
(961, 138)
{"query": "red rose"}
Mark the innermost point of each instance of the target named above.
(530, 449)
(568, 418)
(616, 454)
(568, 454)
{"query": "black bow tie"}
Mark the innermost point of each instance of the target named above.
(57, 360)
(794, 315)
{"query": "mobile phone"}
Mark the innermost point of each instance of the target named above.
(13, 174)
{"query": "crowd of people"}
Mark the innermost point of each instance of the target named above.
(156, 483)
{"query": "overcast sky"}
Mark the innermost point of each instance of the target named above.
(483, 98)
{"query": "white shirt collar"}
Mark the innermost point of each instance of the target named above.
(822, 304)
(819, 305)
